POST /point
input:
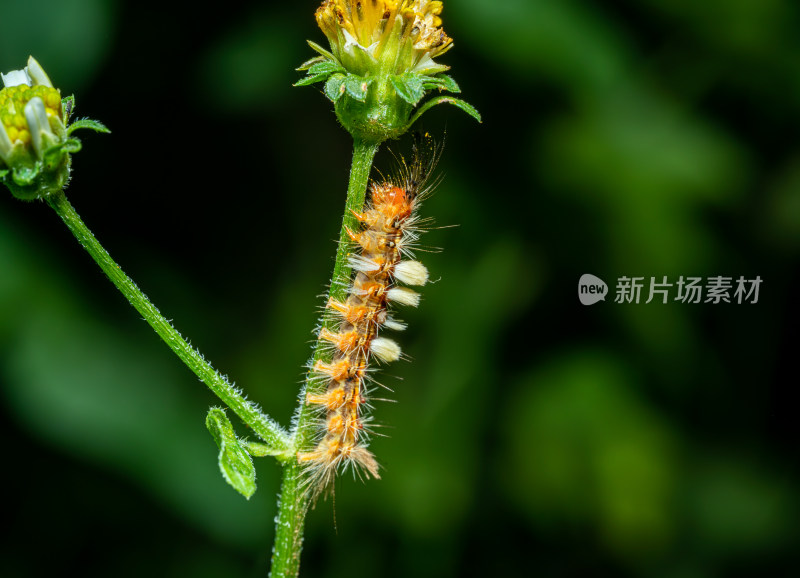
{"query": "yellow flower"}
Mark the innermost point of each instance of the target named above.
(385, 36)
(380, 66)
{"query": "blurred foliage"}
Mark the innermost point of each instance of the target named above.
(533, 436)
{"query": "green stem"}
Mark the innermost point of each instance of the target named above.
(293, 503)
(262, 425)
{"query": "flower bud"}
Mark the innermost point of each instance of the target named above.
(381, 63)
(34, 138)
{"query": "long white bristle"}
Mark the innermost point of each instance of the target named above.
(391, 323)
(363, 264)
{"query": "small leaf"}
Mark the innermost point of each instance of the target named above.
(311, 61)
(67, 106)
(94, 125)
(356, 86)
(334, 87)
(442, 82)
(235, 463)
(72, 145)
(3, 173)
(322, 51)
(325, 67)
(409, 87)
(310, 80)
(465, 106)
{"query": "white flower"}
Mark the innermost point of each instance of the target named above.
(31, 75)
(30, 115)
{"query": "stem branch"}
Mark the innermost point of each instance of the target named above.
(262, 425)
(293, 503)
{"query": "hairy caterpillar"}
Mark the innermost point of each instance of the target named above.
(383, 264)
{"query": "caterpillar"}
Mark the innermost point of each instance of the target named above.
(383, 264)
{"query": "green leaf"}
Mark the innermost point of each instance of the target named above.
(442, 82)
(72, 145)
(334, 87)
(235, 463)
(320, 71)
(409, 87)
(356, 86)
(311, 61)
(3, 173)
(465, 106)
(67, 106)
(325, 67)
(82, 123)
(311, 79)
(322, 51)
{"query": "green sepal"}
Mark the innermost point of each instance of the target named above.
(325, 67)
(409, 87)
(82, 123)
(463, 105)
(311, 79)
(22, 192)
(356, 86)
(71, 145)
(54, 156)
(442, 82)
(25, 176)
(33, 178)
(334, 86)
(322, 51)
(310, 62)
(31, 181)
(320, 71)
(235, 462)
(67, 107)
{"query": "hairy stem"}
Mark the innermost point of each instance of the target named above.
(293, 501)
(262, 425)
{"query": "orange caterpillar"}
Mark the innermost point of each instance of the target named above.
(389, 229)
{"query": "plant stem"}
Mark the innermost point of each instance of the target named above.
(262, 425)
(293, 503)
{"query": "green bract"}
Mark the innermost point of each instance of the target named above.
(35, 134)
(381, 64)
(235, 462)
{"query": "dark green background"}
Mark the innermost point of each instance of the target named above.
(532, 435)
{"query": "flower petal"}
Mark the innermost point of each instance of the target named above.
(36, 115)
(37, 74)
(16, 78)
